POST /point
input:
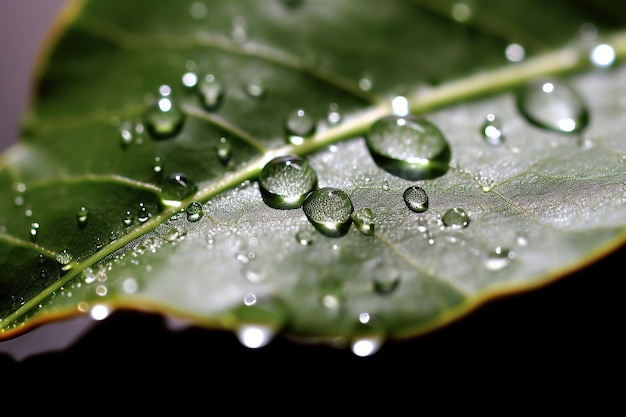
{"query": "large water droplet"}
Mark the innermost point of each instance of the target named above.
(409, 147)
(329, 210)
(298, 126)
(211, 92)
(164, 120)
(363, 219)
(491, 130)
(194, 211)
(416, 199)
(176, 188)
(553, 105)
(285, 182)
(456, 218)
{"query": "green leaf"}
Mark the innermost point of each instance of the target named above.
(95, 198)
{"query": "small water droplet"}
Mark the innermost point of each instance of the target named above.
(224, 151)
(515, 52)
(366, 346)
(34, 231)
(81, 217)
(491, 130)
(400, 106)
(157, 168)
(285, 181)
(143, 214)
(499, 258)
(409, 147)
(64, 257)
(176, 188)
(363, 219)
(298, 126)
(386, 282)
(194, 211)
(211, 92)
(239, 32)
(416, 199)
(126, 132)
(255, 88)
(189, 80)
(329, 210)
(602, 55)
(461, 12)
(164, 119)
(366, 83)
(254, 336)
(553, 105)
(334, 116)
(198, 10)
(456, 218)
(305, 237)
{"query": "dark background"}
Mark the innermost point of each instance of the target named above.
(566, 334)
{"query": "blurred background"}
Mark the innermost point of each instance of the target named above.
(556, 334)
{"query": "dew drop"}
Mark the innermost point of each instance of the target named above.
(239, 32)
(176, 188)
(255, 89)
(224, 151)
(602, 56)
(128, 218)
(456, 218)
(334, 116)
(211, 92)
(126, 132)
(143, 214)
(491, 130)
(157, 168)
(329, 210)
(400, 106)
(515, 52)
(461, 12)
(553, 105)
(81, 217)
(194, 211)
(285, 181)
(190, 80)
(386, 282)
(498, 259)
(416, 199)
(64, 257)
(34, 231)
(164, 120)
(363, 219)
(409, 147)
(298, 126)
(305, 237)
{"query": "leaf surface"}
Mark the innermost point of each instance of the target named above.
(94, 203)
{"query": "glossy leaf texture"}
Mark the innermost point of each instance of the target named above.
(431, 155)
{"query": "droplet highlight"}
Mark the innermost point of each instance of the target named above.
(553, 105)
(285, 182)
(329, 210)
(416, 199)
(409, 147)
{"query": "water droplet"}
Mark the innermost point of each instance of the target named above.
(334, 116)
(305, 237)
(363, 219)
(499, 258)
(365, 346)
(81, 217)
(211, 92)
(491, 130)
(239, 32)
(456, 218)
(254, 88)
(409, 147)
(128, 218)
(461, 12)
(329, 210)
(198, 10)
(64, 257)
(224, 151)
(285, 182)
(298, 126)
(126, 132)
(194, 211)
(400, 106)
(602, 56)
(386, 282)
(143, 214)
(157, 168)
(190, 80)
(416, 199)
(515, 52)
(164, 120)
(366, 83)
(176, 188)
(553, 105)
(254, 336)
(34, 230)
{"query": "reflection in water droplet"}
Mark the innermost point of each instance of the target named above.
(553, 105)
(298, 126)
(499, 258)
(34, 230)
(224, 151)
(285, 181)
(211, 92)
(194, 211)
(176, 188)
(409, 147)
(254, 336)
(164, 120)
(329, 210)
(602, 56)
(64, 257)
(365, 346)
(455, 218)
(416, 199)
(363, 219)
(81, 217)
(491, 130)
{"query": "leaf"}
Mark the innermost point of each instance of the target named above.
(541, 205)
